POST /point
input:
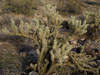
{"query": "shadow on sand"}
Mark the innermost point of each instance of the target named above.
(92, 3)
(27, 52)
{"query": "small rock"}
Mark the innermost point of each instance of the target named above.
(74, 42)
(33, 73)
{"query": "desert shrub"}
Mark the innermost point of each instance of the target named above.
(53, 52)
(74, 6)
(20, 6)
(71, 6)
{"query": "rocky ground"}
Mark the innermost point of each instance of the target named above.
(10, 63)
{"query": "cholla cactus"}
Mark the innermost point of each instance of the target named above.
(76, 26)
(80, 63)
(52, 51)
(51, 48)
(54, 18)
(93, 19)
(60, 51)
(83, 62)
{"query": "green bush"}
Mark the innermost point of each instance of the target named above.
(20, 6)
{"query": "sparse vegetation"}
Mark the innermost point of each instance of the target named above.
(26, 7)
(71, 6)
(74, 6)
